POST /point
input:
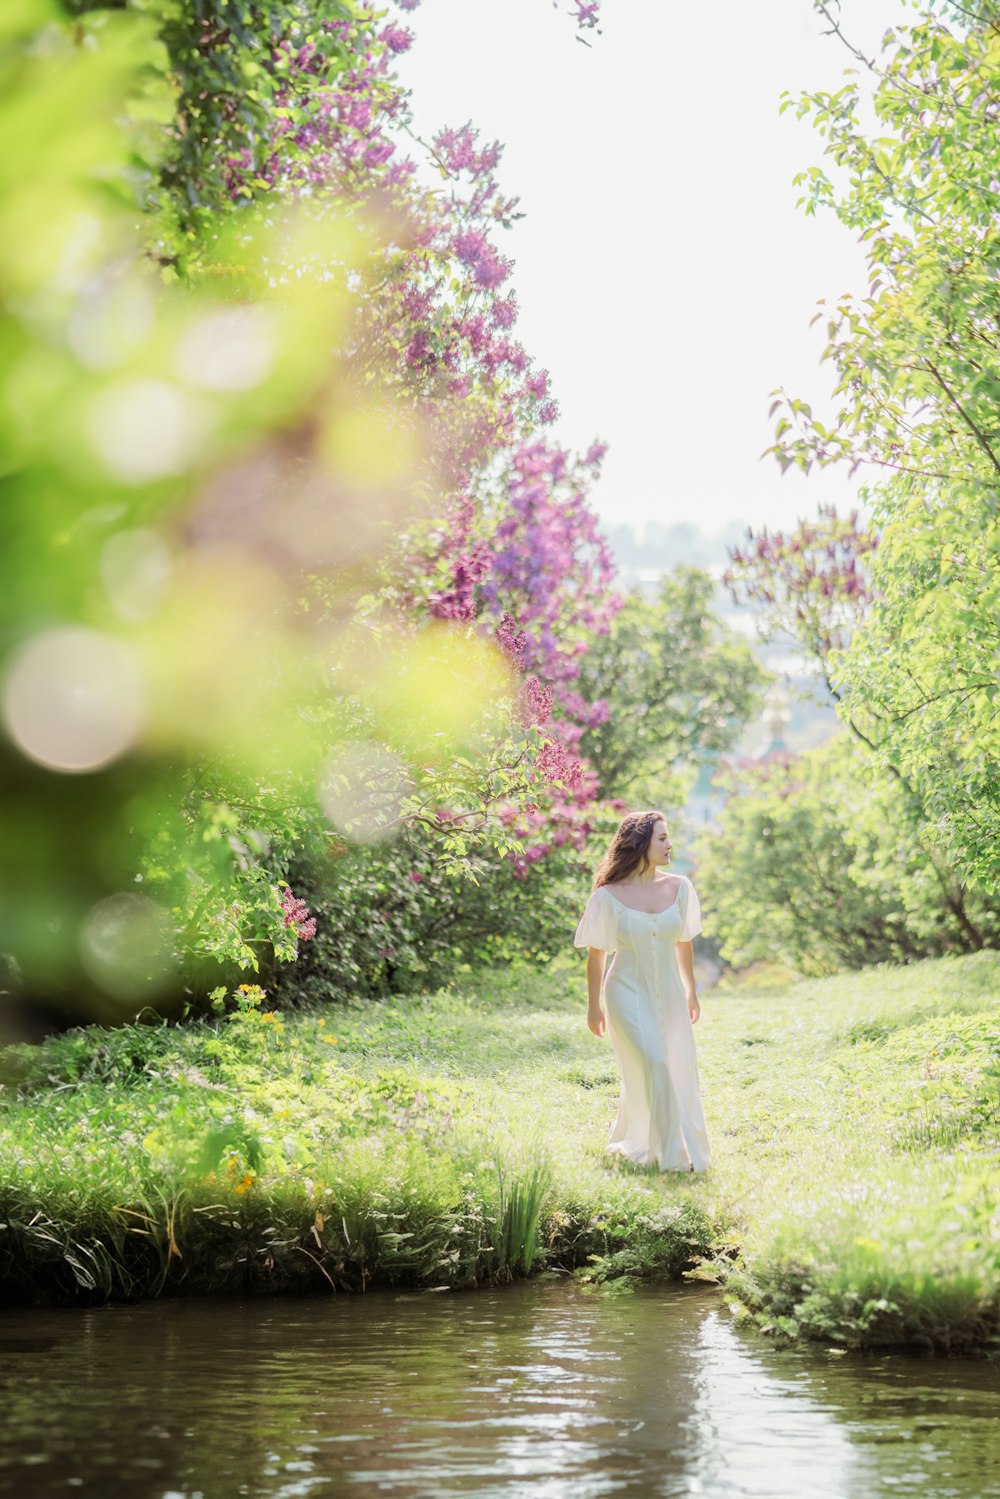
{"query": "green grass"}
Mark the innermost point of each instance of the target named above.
(856, 1123)
(458, 1138)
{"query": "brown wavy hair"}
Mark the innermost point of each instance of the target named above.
(628, 851)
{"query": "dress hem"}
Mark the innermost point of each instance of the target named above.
(637, 1159)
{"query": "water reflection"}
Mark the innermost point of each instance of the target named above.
(543, 1389)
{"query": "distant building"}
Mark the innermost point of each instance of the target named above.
(775, 719)
(707, 799)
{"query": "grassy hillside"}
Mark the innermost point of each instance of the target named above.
(459, 1137)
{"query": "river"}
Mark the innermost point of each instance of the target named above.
(540, 1390)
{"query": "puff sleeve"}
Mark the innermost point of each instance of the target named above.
(690, 912)
(597, 924)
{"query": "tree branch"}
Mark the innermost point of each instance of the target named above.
(979, 435)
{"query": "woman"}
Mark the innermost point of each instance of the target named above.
(647, 918)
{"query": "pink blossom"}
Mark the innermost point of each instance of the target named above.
(469, 245)
(524, 559)
(504, 311)
(491, 269)
(474, 329)
(396, 38)
(399, 172)
(418, 351)
(378, 152)
(357, 113)
(537, 701)
(296, 916)
(510, 640)
(457, 150)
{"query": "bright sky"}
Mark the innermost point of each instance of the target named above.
(664, 275)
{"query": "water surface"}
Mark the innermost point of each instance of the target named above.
(543, 1389)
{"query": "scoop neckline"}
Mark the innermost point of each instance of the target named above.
(645, 913)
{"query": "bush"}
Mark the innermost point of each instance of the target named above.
(816, 862)
(390, 920)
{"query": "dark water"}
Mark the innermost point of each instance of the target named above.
(541, 1389)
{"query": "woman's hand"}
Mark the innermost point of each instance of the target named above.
(595, 1019)
(694, 1008)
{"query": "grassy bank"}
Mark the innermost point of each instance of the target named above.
(459, 1138)
(860, 1153)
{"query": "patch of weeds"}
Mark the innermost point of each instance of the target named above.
(589, 1074)
(872, 1033)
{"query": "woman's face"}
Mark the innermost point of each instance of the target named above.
(659, 846)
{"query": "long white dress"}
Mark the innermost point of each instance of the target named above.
(660, 1118)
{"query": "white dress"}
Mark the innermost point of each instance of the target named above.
(660, 1118)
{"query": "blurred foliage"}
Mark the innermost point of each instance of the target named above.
(816, 862)
(280, 539)
(198, 490)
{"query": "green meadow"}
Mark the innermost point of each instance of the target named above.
(457, 1139)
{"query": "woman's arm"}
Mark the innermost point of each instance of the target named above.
(685, 962)
(596, 958)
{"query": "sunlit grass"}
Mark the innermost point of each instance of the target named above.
(458, 1138)
(857, 1139)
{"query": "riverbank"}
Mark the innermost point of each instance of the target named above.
(458, 1138)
